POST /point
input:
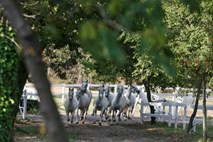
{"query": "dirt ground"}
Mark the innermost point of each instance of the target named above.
(125, 131)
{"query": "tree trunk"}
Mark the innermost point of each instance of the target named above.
(190, 126)
(32, 54)
(152, 109)
(204, 110)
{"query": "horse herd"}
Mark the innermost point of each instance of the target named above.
(109, 104)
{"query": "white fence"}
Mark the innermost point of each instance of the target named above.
(31, 93)
(170, 108)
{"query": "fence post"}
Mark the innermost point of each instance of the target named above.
(63, 92)
(170, 116)
(184, 118)
(141, 112)
(24, 104)
(176, 115)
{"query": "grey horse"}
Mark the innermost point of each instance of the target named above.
(131, 95)
(84, 97)
(118, 104)
(100, 104)
(71, 105)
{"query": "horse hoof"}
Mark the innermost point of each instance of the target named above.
(83, 122)
(117, 123)
(94, 122)
(76, 122)
(100, 124)
(71, 122)
(113, 120)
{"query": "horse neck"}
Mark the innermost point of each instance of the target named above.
(107, 92)
(98, 100)
(117, 98)
(129, 93)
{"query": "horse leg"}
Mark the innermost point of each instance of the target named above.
(82, 115)
(101, 116)
(110, 114)
(72, 116)
(134, 108)
(104, 115)
(76, 116)
(86, 114)
(112, 117)
(119, 114)
(94, 115)
(129, 112)
(67, 114)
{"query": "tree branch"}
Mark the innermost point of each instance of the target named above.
(32, 53)
(108, 21)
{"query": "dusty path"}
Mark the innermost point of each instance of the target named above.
(125, 131)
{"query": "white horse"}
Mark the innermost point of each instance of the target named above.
(84, 97)
(131, 96)
(71, 105)
(100, 104)
(118, 104)
(109, 95)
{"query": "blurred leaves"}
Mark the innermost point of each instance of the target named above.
(101, 42)
(194, 5)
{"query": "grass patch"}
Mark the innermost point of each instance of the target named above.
(161, 130)
(28, 129)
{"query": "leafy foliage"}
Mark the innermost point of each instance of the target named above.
(8, 81)
(190, 40)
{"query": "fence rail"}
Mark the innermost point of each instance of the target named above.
(173, 107)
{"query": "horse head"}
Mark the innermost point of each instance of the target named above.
(84, 86)
(120, 90)
(78, 93)
(71, 93)
(101, 91)
(107, 90)
(134, 89)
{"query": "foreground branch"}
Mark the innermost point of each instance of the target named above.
(32, 53)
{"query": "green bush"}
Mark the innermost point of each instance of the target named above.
(8, 82)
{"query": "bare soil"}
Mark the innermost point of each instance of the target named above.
(125, 131)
